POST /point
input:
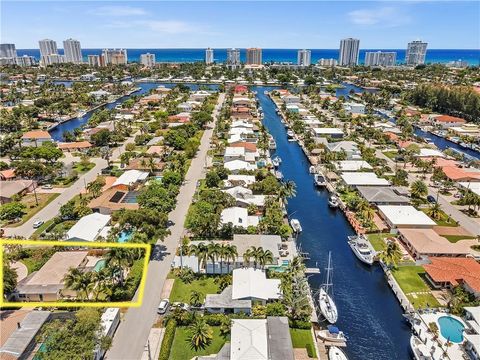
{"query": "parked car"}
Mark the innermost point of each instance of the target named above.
(37, 224)
(431, 199)
(163, 306)
(180, 305)
(47, 187)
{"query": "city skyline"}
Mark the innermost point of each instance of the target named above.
(199, 25)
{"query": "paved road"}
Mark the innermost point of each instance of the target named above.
(469, 224)
(133, 331)
(52, 209)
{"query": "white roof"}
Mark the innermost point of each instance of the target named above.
(246, 196)
(473, 186)
(240, 123)
(430, 153)
(238, 190)
(238, 217)
(130, 177)
(88, 227)
(108, 319)
(253, 283)
(238, 165)
(363, 178)
(248, 179)
(249, 339)
(351, 165)
(240, 131)
(405, 215)
(234, 138)
(322, 131)
(234, 151)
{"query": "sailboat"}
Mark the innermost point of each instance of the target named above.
(335, 353)
(327, 306)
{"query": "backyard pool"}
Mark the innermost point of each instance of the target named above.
(451, 329)
(99, 265)
(124, 236)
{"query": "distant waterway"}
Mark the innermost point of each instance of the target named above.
(369, 312)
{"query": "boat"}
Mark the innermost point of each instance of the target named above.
(332, 334)
(312, 170)
(327, 305)
(265, 92)
(320, 180)
(290, 134)
(295, 224)
(272, 145)
(81, 114)
(335, 353)
(276, 161)
(419, 349)
(362, 248)
(333, 202)
(278, 175)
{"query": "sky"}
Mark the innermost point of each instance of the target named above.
(222, 24)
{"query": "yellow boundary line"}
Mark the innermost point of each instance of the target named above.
(77, 304)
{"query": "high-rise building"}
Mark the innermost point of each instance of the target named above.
(147, 60)
(327, 62)
(72, 51)
(25, 60)
(380, 58)
(208, 56)
(52, 59)
(254, 56)
(114, 56)
(416, 52)
(304, 57)
(47, 47)
(94, 60)
(8, 51)
(233, 57)
(349, 51)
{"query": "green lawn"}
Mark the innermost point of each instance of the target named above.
(455, 238)
(42, 228)
(32, 208)
(444, 219)
(302, 337)
(181, 291)
(408, 277)
(421, 301)
(378, 240)
(181, 349)
(390, 154)
(83, 168)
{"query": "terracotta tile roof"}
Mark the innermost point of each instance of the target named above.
(9, 320)
(251, 147)
(240, 109)
(392, 136)
(454, 271)
(75, 145)
(448, 118)
(36, 134)
(7, 174)
(240, 88)
(457, 174)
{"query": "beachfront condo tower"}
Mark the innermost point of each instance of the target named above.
(47, 47)
(233, 57)
(380, 58)
(254, 56)
(304, 57)
(147, 60)
(114, 56)
(8, 51)
(209, 56)
(416, 52)
(349, 51)
(72, 51)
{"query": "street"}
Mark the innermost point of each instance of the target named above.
(132, 333)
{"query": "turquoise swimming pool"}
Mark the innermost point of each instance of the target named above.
(124, 236)
(451, 329)
(99, 265)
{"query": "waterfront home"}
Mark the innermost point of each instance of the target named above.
(461, 174)
(152, 99)
(293, 108)
(354, 108)
(382, 195)
(351, 165)
(240, 89)
(35, 138)
(241, 101)
(89, 228)
(46, 284)
(241, 124)
(240, 131)
(238, 216)
(323, 132)
(472, 333)
(233, 180)
(74, 146)
(363, 179)
(185, 106)
(252, 284)
(430, 153)
(236, 166)
(249, 147)
(472, 130)
(99, 94)
(290, 99)
(445, 121)
(240, 112)
(224, 303)
(234, 153)
(447, 272)
(472, 186)
(11, 188)
(19, 333)
(244, 197)
(422, 243)
(259, 339)
(350, 148)
(404, 216)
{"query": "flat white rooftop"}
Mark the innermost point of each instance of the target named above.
(363, 178)
(405, 215)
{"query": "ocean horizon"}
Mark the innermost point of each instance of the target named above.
(186, 55)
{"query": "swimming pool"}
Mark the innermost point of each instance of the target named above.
(99, 265)
(451, 329)
(124, 236)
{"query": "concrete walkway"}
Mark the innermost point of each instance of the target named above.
(133, 331)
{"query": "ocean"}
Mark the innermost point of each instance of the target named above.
(275, 55)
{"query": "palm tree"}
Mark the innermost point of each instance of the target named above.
(266, 257)
(213, 251)
(201, 334)
(195, 298)
(392, 254)
(256, 253)
(72, 279)
(287, 189)
(120, 258)
(232, 254)
(222, 254)
(418, 189)
(434, 211)
(201, 252)
(247, 256)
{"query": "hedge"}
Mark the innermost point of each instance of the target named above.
(168, 340)
(310, 350)
(298, 324)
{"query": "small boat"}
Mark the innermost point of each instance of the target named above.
(278, 175)
(320, 180)
(332, 334)
(325, 297)
(419, 349)
(362, 249)
(290, 134)
(272, 145)
(276, 161)
(265, 92)
(333, 202)
(335, 353)
(295, 224)
(312, 169)
(81, 114)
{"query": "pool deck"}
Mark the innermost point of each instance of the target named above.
(421, 329)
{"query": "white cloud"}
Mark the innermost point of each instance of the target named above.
(159, 26)
(119, 11)
(387, 16)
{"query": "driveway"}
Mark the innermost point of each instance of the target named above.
(133, 331)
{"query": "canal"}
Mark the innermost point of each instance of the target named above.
(369, 313)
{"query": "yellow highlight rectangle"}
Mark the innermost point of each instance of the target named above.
(74, 304)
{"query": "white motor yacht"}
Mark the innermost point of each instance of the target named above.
(290, 134)
(295, 224)
(362, 248)
(325, 296)
(333, 201)
(272, 145)
(332, 334)
(312, 170)
(335, 353)
(320, 180)
(276, 161)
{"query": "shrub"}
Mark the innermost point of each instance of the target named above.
(167, 340)
(215, 319)
(310, 350)
(298, 324)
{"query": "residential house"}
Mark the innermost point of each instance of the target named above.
(382, 195)
(446, 121)
(244, 197)
(74, 146)
(354, 108)
(8, 189)
(238, 216)
(35, 138)
(363, 179)
(89, 227)
(404, 216)
(350, 148)
(352, 165)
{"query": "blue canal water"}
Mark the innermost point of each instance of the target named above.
(472, 56)
(369, 313)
